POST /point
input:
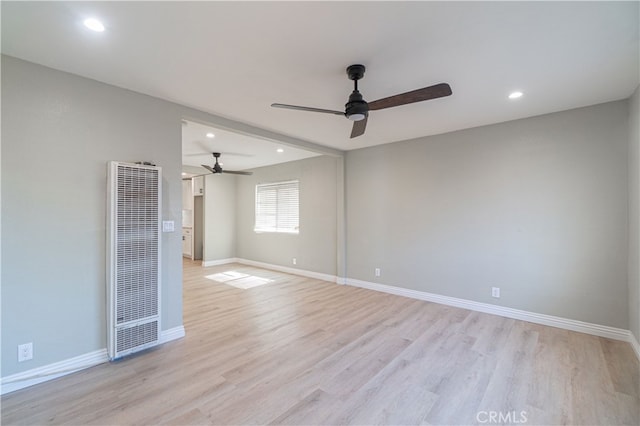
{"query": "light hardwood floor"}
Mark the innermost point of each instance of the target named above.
(303, 351)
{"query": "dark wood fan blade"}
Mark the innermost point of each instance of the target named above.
(208, 168)
(302, 108)
(358, 128)
(432, 92)
(231, 172)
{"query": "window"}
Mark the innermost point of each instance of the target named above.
(277, 207)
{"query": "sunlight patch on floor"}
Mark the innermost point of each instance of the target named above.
(238, 279)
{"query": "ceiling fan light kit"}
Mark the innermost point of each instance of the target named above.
(357, 109)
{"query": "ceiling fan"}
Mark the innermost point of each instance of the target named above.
(357, 109)
(217, 169)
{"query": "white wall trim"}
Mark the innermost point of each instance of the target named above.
(207, 263)
(52, 371)
(286, 269)
(48, 372)
(634, 344)
(553, 321)
(172, 334)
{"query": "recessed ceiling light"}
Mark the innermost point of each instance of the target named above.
(184, 174)
(211, 135)
(515, 95)
(94, 25)
(280, 150)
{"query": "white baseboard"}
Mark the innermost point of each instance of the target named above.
(172, 334)
(634, 344)
(48, 372)
(279, 268)
(52, 371)
(288, 270)
(206, 263)
(553, 321)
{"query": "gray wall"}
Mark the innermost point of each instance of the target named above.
(220, 217)
(58, 132)
(315, 245)
(537, 207)
(634, 214)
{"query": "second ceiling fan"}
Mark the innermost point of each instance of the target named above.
(357, 109)
(217, 168)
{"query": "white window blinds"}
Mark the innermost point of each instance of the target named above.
(277, 207)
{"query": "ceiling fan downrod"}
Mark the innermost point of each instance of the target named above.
(356, 109)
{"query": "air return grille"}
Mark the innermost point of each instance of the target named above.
(134, 252)
(132, 337)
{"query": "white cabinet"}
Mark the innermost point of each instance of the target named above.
(187, 246)
(198, 185)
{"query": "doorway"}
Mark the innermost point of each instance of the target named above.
(198, 226)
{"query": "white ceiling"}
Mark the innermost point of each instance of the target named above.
(238, 152)
(234, 59)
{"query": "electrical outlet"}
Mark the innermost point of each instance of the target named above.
(377, 272)
(495, 292)
(25, 352)
(295, 261)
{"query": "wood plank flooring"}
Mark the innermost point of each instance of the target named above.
(303, 351)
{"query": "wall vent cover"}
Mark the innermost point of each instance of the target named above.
(133, 264)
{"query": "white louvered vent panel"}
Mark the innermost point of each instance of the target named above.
(137, 261)
(132, 337)
(134, 248)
